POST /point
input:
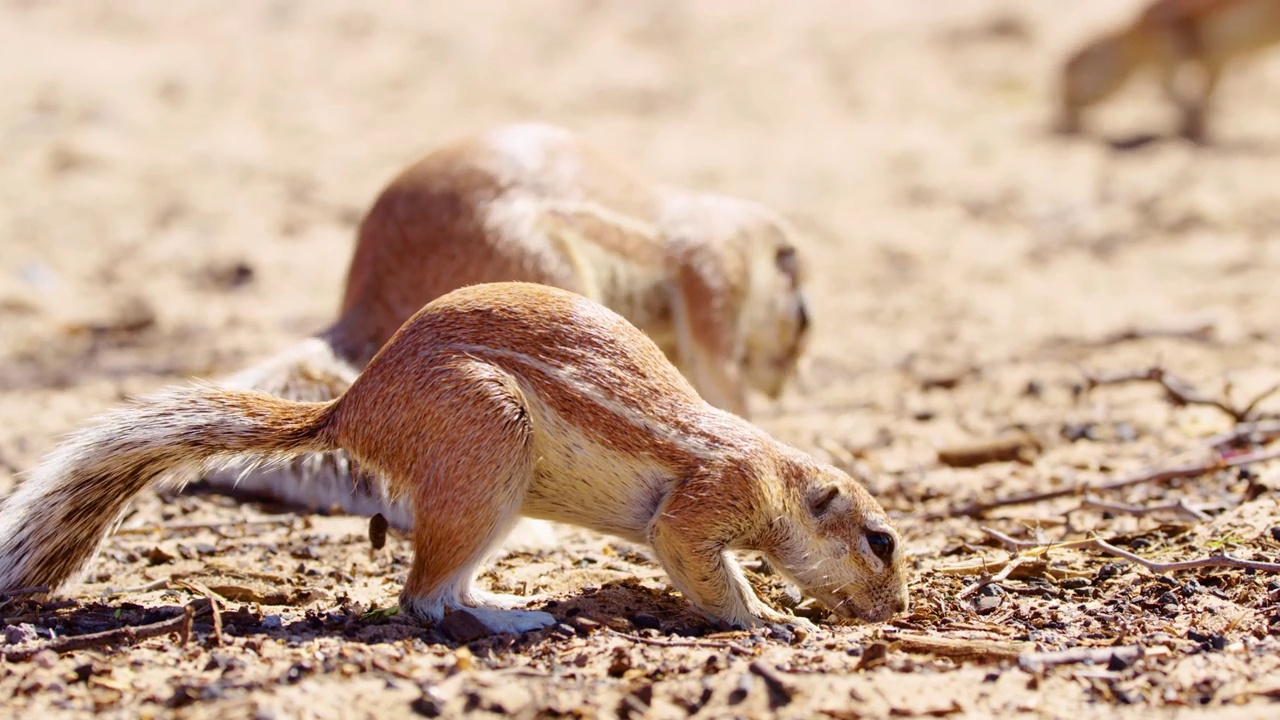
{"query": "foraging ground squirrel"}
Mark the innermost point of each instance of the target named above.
(715, 281)
(492, 402)
(1169, 36)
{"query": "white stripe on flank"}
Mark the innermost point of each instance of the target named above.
(694, 446)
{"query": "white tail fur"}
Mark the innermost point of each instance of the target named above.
(56, 520)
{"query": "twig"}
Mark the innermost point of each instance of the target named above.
(180, 624)
(1214, 560)
(9, 596)
(1020, 447)
(1009, 542)
(1009, 567)
(21, 592)
(213, 599)
(153, 585)
(1178, 391)
(1201, 331)
(1178, 507)
(215, 525)
(959, 648)
(735, 648)
(1127, 654)
(977, 509)
(772, 680)
(1259, 432)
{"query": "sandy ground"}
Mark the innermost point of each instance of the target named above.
(178, 195)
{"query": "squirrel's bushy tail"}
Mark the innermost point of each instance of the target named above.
(311, 370)
(54, 523)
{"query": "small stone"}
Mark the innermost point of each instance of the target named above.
(1108, 571)
(45, 659)
(156, 556)
(430, 704)
(645, 621)
(81, 673)
(987, 603)
(781, 633)
(1275, 533)
(306, 552)
(18, 634)
(1117, 663)
(799, 635)
(272, 622)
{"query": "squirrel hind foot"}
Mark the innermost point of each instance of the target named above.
(499, 601)
(512, 622)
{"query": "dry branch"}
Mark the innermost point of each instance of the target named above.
(772, 680)
(980, 508)
(213, 599)
(160, 584)
(1214, 560)
(1178, 507)
(1019, 447)
(732, 647)
(22, 592)
(958, 648)
(1041, 660)
(999, 577)
(1198, 331)
(1178, 391)
(216, 525)
(180, 624)
(1258, 433)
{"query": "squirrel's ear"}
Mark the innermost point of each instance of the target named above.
(787, 260)
(820, 498)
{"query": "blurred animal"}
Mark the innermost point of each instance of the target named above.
(496, 401)
(1169, 37)
(716, 281)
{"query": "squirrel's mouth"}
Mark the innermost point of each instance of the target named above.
(845, 607)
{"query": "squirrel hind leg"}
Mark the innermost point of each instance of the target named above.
(462, 512)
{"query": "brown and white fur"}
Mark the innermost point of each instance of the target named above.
(1169, 36)
(715, 281)
(497, 401)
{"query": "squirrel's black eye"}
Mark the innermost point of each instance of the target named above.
(821, 502)
(881, 544)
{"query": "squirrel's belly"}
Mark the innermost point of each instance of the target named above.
(578, 480)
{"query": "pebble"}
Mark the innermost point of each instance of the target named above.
(645, 621)
(18, 634)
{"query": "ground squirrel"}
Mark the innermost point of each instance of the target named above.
(492, 402)
(715, 281)
(1169, 36)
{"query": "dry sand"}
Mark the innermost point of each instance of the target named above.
(179, 190)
